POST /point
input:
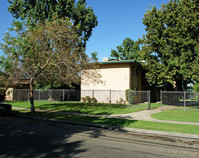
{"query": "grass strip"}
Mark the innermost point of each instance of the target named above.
(157, 126)
(86, 108)
(173, 115)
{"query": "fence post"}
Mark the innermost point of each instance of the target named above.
(93, 93)
(63, 96)
(39, 95)
(110, 97)
(28, 95)
(50, 94)
(184, 101)
(149, 100)
(79, 91)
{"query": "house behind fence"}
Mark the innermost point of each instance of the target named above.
(102, 96)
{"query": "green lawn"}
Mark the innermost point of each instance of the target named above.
(86, 108)
(157, 126)
(174, 115)
(155, 105)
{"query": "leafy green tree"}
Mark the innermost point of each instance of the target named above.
(129, 50)
(170, 45)
(196, 87)
(37, 11)
(50, 51)
(94, 57)
(3, 78)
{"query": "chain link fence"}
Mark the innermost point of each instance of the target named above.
(47, 95)
(101, 96)
(182, 100)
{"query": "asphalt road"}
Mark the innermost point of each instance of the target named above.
(32, 138)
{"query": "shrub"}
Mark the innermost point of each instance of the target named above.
(93, 100)
(88, 99)
(108, 100)
(121, 101)
(130, 95)
(83, 99)
(196, 87)
(50, 99)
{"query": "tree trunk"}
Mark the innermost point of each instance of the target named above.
(179, 85)
(31, 96)
(185, 85)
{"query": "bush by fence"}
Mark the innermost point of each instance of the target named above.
(130, 96)
(117, 96)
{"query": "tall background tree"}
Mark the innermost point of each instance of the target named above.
(36, 11)
(94, 57)
(129, 50)
(170, 46)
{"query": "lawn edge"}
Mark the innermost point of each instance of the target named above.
(117, 128)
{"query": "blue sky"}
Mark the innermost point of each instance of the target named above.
(117, 19)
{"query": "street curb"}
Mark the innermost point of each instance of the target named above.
(69, 122)
(164, 134)
(117, 128)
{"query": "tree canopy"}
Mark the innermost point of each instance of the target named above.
(170, 45)
(196, 87)
(94, 57)
(49, 53)
(37, 11)
(129, 50)
(47, 45)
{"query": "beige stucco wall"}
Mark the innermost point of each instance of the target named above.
(113, 77)
(116, 77)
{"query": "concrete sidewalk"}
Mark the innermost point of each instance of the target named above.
(141, 115)
(144, 115)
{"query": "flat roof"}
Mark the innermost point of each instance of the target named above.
(118, 61)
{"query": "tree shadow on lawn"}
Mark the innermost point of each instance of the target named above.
(114, 121)
(121, 122)
(85, 108)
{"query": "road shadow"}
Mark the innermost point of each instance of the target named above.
(34, 138)
(28, 138)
